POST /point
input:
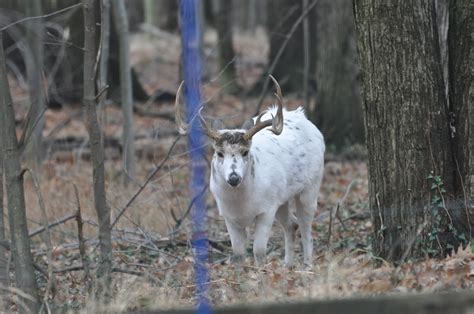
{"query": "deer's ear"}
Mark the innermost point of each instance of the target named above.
(217, 124)
(248, 124)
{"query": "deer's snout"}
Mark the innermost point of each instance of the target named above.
(234, 179)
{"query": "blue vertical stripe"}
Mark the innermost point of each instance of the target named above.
(191, 58)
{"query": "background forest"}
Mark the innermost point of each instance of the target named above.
(95, 205)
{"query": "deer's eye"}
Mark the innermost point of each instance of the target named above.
(245, 153)
(221, 155)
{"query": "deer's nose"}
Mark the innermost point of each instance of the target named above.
(234, 179)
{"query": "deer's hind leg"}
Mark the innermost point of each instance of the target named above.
(306, 204)
(283, 216)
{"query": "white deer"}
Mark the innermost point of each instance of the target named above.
(256, 176)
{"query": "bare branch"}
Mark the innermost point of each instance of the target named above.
(281, 50)
(53, 224)
(152, 174)
(82, 242)
(29, 18)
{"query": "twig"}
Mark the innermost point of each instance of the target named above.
(330, 229)
(114, 269)
(180, 220)
(152, 174)
(64, 123)
(336, 211)
(280, 53)
(27, 132)
(29, 18)
(51, 288)
(101, 92)
(82, 242)
(53, 224)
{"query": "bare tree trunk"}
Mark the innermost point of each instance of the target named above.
(223, 22)
(3, 251)
(97, 152)
(252, 16)
(410, 154)
(104, 59)
(338, 110)
(121, 24)
(34, 66)
(306, 60)
(150, 12)
(282, 16)
(461, 65)
(23, 261)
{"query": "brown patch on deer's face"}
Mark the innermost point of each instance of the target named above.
(233, 138)
(232, 143)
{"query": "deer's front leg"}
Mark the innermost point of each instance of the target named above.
(238, 238)
(263, 227)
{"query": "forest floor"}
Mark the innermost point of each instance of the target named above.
(153, 260)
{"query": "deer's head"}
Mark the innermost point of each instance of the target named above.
(232, 159)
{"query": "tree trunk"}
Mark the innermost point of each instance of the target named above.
(282, 15)
(162, 14)
(121, 24)
(410, 155)
(3, 251)
(461, 65)
(97, 153)
(332, 64)
(150, 12)
(34, 67)
(20, 242)
(338, 107)
(223, 22)
(104, 60)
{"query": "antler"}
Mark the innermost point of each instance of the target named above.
(182, 126)
(179, 117)
(212, 133)
(276, 122)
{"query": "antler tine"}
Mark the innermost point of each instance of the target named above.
(212, 133)
(182, 126)
(277, 125)
(276, 122)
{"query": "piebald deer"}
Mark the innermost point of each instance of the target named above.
(261, 170)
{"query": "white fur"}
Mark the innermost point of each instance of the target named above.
(288, 169)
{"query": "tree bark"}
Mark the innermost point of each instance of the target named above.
(23, 261)
(410, 153)
(461, 65)
(121, 24)
(223, 23)
(97, 153)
